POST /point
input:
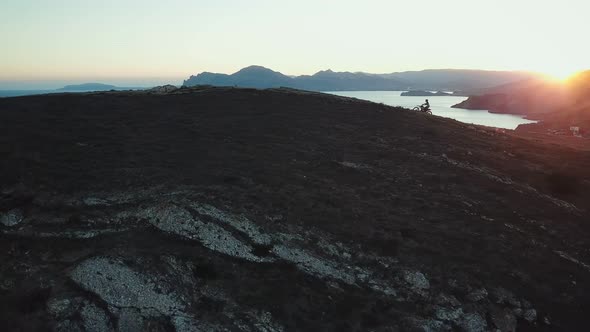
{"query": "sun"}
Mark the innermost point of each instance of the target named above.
(561, 73)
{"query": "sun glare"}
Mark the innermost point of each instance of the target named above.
(561, 74)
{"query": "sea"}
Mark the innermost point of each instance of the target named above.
(441, 106)
(18, 93)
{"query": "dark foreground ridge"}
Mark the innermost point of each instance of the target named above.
(278, 210)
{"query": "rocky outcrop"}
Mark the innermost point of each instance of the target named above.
(11, 218)
(162, 89)
(133, 292)
(130, 295)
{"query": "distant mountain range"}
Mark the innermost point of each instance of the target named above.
(434, 79)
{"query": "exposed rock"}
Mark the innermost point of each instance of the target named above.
(240, 223)
(67, 233)
(336, 249)
(177, 220)
(61, 307)
(445, 299)
(416, 280)
(473, 322)
(121, 287)
(387, 290)
(504, 320)
(503, 296)
(514, 302)
(573, 260)
(312, 264)
(69, 325)
(11, 218)
(95, 319)
(187, 324)
(6, 284)
(414, 324)
(448, 314)
(526, 304)
(356, 166)
(263, 322)
(477, 295)
(94, 201)
(130, 319)
(163, 89)
(530, 315)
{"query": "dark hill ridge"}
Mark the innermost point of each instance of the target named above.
(282, 210)
(328, 80)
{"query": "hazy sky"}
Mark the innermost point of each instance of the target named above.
(140, 41)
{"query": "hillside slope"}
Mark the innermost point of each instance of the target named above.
(282, 210)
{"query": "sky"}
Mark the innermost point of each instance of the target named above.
(134, 43)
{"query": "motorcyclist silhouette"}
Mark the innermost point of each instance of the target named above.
(426, 106)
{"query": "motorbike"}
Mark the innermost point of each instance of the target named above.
(419, 108)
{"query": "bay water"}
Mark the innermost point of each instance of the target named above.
(441, 106)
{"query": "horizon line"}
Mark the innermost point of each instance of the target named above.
(179, 76)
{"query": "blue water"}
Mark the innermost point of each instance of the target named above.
(18, 93)
(441, 106)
